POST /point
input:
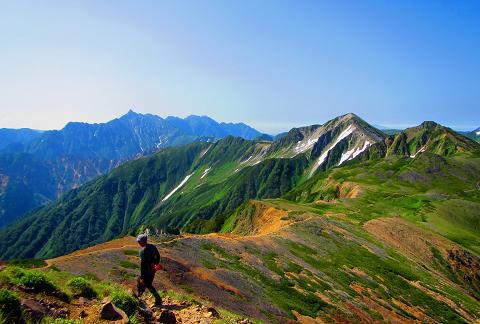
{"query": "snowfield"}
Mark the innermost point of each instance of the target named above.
(353, 153)
(178, 187)
(205, 173)
(303, 146)
(422, 149)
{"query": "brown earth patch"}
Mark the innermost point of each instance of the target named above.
(415, 311)
(124, 242)
(349, 190)
(407, 238)
(269, 221)
(307, 319)
(449, 302)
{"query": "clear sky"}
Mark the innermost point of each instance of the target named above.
(272, 64)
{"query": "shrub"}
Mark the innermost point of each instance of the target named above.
(129, 265)
(130, 252)
(28, 263)
(36, 281)
(124, 301)
(10, 308)
(81, 288)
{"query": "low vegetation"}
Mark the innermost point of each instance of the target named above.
(10, 308)
(124, 300)
(80, 287)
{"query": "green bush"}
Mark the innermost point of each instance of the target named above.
(131, 252)
(129, 265)
(124, 301)
(35, 280)
(28, 263)
(81, 288)
(10, 308)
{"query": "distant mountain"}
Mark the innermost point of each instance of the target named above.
(429, 137)
(17, 137)
(80, 152)
(475, 134)
(205, 126)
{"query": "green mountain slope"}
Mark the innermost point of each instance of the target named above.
(196, 188)
(390, 233)
(429, 137)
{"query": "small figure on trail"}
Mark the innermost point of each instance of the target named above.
(149, 264)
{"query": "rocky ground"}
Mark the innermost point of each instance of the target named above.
(42, 306)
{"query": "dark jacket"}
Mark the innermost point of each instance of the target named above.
(149, 256)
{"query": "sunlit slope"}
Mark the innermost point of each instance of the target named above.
(299, 261)
(196, 188)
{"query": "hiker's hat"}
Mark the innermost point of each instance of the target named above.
(142, 238)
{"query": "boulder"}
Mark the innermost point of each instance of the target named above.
(34, 310)
(167, 317)
(211, 312)
(111, 313)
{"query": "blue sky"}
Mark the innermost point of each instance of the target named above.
(271, 64)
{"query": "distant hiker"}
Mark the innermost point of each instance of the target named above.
(149, 263)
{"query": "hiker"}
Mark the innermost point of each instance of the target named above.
(149, 263)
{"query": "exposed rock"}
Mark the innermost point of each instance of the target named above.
(109, 312)
(167, 317)
(144, 310)
(83, 314)
(211, 312)
(467, 267)
(62, 313)
(34, 310)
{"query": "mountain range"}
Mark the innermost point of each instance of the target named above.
(80, 152)
(196, 187)
(335, 222)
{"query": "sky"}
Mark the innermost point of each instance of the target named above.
(271, 64)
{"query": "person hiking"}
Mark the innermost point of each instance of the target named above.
(149, 263)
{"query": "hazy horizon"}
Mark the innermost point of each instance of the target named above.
(272, 65)
(383, 126)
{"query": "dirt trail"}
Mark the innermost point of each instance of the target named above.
(118, 244)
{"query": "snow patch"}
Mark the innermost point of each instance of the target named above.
(422, 149)
(303, 146)
(248, 159)
(478, 133)
(353, 153)
(205, 173)
(236, 170)
(349, 130)
(178, 187)
(205, 152)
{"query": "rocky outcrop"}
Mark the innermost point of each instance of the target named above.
(111, 313)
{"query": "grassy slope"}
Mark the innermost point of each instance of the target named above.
(440, 196)
(325, 263)
(62, 296)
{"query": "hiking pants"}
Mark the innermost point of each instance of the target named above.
(148, 283)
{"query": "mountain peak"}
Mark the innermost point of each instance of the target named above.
(428, 124)
(350, 116)
(131, 114)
